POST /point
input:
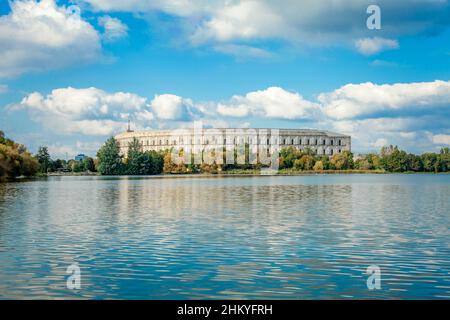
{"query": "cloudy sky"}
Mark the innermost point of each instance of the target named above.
(73, 72)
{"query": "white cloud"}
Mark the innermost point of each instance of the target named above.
(414, 116)
(37, 36)
(441, 139)
(114, 28)
(368, 99)
(308, 22)
(171, 107)
(274, 102)
(240, 20)
(89, 111)
(182, 8)
(381, 142)
(69, 151)
(370, 46)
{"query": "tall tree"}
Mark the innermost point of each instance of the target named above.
(135, 158)
(43, 157)
(109, 158)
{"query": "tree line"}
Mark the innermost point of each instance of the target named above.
(390, 159)
(48, 165)
(137, 162)
(16, 160)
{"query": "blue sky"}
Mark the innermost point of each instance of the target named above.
(73, 72)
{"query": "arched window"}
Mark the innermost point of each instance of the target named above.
(332, 142)
(339, 142)
(323, 142)
(331, 151)
(307, 142)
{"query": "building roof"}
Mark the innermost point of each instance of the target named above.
(306, 132)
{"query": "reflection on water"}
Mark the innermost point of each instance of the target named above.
(234, 237)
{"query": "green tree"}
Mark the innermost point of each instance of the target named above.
(76, 166)
(444, 159)
(109, 158)
(43, 157)
(325, 162)
(393, 159)
(430, 162)
(135, 158)
(88, 164)
(152, 163)
(414, 163)
(288, 157)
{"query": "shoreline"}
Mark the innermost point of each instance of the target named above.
(240, 173)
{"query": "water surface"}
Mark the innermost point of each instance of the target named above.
(293, 237)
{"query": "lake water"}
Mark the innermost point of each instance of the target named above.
(293, 237)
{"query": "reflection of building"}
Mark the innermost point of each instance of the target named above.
(321, 142)
(80, 157)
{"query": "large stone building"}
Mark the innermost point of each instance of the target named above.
(196, 140)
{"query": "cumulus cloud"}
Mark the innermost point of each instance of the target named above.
(381, 142)
(69, 151)
(441, 139)
(273, 102)
(372, 100)
(114, 28)
(309, 22)
(41, 35)
(413, 115)
(89, 111)
(370, 46)
(172, 107)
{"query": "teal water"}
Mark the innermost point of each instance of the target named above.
(293, 237)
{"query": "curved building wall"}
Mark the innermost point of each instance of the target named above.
(322, 142)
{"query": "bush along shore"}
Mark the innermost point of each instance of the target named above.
(16, 161)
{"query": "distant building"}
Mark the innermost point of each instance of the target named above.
(319, 141)
(80, 157)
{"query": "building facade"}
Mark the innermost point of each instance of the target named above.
(197, 140)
